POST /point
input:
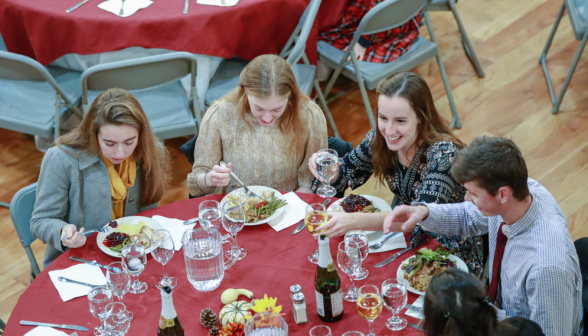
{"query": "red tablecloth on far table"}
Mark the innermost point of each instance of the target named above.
(44, 31)
(275, 260)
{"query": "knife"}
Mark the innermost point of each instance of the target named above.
(62, 326)
(392, 258)
(76, 6)
(114, 269)
(186, 4)
(301, 225)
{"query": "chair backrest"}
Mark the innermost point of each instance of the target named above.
(305, 24)
(389, 15)
(21, 211)
(22, 68)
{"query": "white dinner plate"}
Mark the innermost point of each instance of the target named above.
(134, 220)
(258, 190)
(400, 273)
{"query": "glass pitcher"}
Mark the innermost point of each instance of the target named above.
(204, 257)
(266, 324)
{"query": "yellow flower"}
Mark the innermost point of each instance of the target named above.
(267, 305)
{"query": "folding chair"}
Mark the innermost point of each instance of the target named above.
(449, 5)
(21, 211)
(385, 16)
(227, 75)
(578, 13)
(155, 82)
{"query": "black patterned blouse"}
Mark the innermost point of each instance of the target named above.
(427, 179)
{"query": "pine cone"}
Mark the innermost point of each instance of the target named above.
(214, 331)
(208, 318)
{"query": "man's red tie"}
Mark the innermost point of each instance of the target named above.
(500, 244)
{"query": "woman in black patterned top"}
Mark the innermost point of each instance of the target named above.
(411, 152)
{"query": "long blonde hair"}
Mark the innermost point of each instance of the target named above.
(119, 107)
(269, 75)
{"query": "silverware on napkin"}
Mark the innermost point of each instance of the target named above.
(392, 258)
(247, 191)
(379, 244)
(301, 225)
(114, 269)
(417, 326)
(52, 325)
(62, 279)
(191, 221)
(69, 10)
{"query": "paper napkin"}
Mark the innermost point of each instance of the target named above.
(225, 3)
(396, 242)
(420, 302)
(293, 213)
(130, 6)
(175, 227)
(45, 331)
(81, 272)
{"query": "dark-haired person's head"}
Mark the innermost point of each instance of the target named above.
(456, 304)
(494, 173)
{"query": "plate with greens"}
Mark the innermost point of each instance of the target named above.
(258, 210)
(124, 231)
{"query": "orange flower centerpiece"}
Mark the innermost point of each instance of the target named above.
(265, 309)
(232, 329)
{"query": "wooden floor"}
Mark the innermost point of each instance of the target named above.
(511, 101)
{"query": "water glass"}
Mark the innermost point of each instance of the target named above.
(316, 215)
(353, 333)
(204, 257)
(210, 215)
(233, 218)
(369, 305)
(360, 239)
(118, 318)
(266, 324)
(118, 282)
(395, 297)
(98, 299)
(348, 266)
(320, 330)
(162, 250)
(327, 163)
(135, 258)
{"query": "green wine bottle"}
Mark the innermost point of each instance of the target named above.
(329, 299)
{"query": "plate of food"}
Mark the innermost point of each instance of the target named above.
(416, 272)
(123, 231)
(360, 203)
(258, 210)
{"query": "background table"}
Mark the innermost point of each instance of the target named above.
(275, 260)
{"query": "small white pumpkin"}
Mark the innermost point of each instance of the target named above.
(235, 312)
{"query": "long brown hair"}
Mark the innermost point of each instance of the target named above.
(119, 107)
(269, 75)
(432, 126)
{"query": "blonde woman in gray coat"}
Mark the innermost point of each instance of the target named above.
(110, 166)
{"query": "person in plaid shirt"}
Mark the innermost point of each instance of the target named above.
(382, 47)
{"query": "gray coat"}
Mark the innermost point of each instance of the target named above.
(75, 189)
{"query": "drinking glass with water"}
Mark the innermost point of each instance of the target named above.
(135, 258)
(327, 163)
(359, 239)
(210, 215)
(162, 250)
(395, 297)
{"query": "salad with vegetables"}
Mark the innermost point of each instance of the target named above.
(419, 270)
(256, 208)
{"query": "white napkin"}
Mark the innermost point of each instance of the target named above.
(131, 6)
(396, 242)
(227, 3)
(45, 331)
(81, 272)
(420, 302)
(293, 213)
(175, 227)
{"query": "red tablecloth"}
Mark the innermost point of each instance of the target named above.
(44, 31)
(275, 260)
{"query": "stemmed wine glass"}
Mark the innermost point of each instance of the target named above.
(395, 297)
(118, 279)
(369, 305)
(359, 238)
(233, 218)
(348, 264)
(316, 215)
(210, 215)
(98, 298)
(162, 250)
(353, 333)
(135, 258)
(320, 330)
(327, 166)
(118, 318)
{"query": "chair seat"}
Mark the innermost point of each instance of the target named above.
(224, 80)
(578, 13)
(439, 5)
(167, 109)
(304, 74)
(29, 107)
(420, 51)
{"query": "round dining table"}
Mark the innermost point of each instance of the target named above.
(274, 262)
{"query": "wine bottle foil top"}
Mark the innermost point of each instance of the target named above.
(167, 289)
(295, 289)
(298, 298)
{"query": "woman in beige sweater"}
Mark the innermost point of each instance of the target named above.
(266, 129)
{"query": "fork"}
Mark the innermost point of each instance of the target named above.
(89, 232)
(415, 308)
(381, 243)
(248, 192)
(122, 7)
(62, 279)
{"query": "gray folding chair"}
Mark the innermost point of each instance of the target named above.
(226, 77)
(2, 44)
(385, 16)
(578, 13)
(449, 5)
(155, 82)
(21, 211)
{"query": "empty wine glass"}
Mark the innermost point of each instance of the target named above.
(135, 258)
(348, 266)
(360, 239)
(320, 330)
(394, 295)
(327, 167)
(98, 299)
(118, 282)
(353, 333)
(118, 318)
(162, 250)
(369, 305)
(315, 216)
(210, 215)
(233, 218)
